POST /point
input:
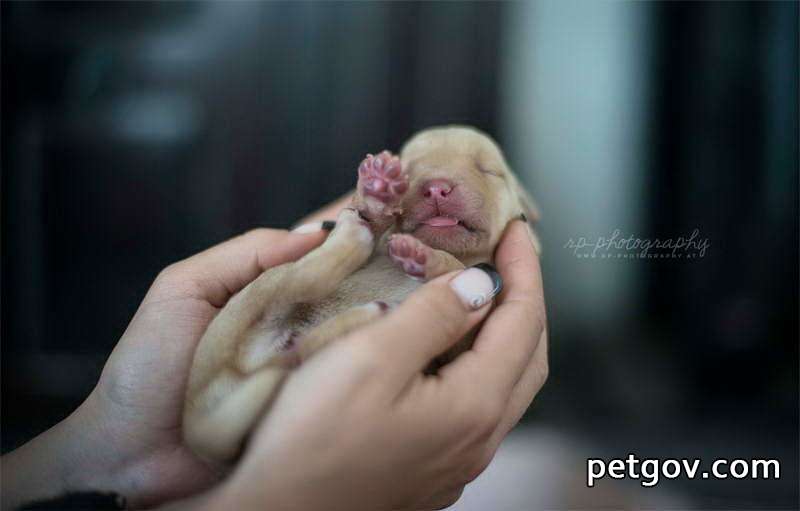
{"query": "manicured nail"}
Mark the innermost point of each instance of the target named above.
(476, 286)
(327, 225)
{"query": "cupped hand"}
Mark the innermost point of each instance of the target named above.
(361, 426)
(126, 436)
(138, 401)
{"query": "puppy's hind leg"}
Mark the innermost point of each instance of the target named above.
(312, 277)
(226, 392)
(338, 326)
(234, 402)
(220, 417)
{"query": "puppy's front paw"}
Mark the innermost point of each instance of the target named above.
(381, 178)
(352, 226)
(410, 254)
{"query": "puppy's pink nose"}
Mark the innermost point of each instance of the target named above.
(437, 188)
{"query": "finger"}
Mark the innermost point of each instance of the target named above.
(442, 500)
(329, 212)
(220, 271)
(524, 392)
(508, 338)
(430, 320)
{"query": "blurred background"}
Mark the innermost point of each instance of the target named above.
(135, 134)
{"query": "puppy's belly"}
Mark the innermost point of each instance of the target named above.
(274, 338)
(379, 280)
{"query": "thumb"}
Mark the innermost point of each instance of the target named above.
(430, 320)
(222, 270)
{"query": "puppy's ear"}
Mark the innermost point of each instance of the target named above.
(527, 206)
(529, 209)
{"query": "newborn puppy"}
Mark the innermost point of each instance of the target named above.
(441, 206)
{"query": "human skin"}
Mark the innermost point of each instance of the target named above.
(126, 436)
(382, 435)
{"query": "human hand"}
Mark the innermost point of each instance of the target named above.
(126, 436)
(359, 426)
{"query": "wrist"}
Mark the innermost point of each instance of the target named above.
(75, 455)
(47, 466)
(97, 459)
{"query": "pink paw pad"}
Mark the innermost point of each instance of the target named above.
(409, 253)
(381, 176)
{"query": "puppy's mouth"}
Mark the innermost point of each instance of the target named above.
(443, 221)
(444, 230)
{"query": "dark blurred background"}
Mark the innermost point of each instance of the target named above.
(135, 134)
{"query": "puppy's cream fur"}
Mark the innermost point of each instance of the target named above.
(292, 310)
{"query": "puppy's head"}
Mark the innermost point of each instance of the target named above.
(461, 191)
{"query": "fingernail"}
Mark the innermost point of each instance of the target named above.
(327, 225)
(476, 286)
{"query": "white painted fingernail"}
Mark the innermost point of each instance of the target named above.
(327, 225)
(477, 286)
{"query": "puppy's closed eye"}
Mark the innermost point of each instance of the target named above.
(486, 169)
(491, 172)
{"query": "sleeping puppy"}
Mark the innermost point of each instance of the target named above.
(441, 206)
